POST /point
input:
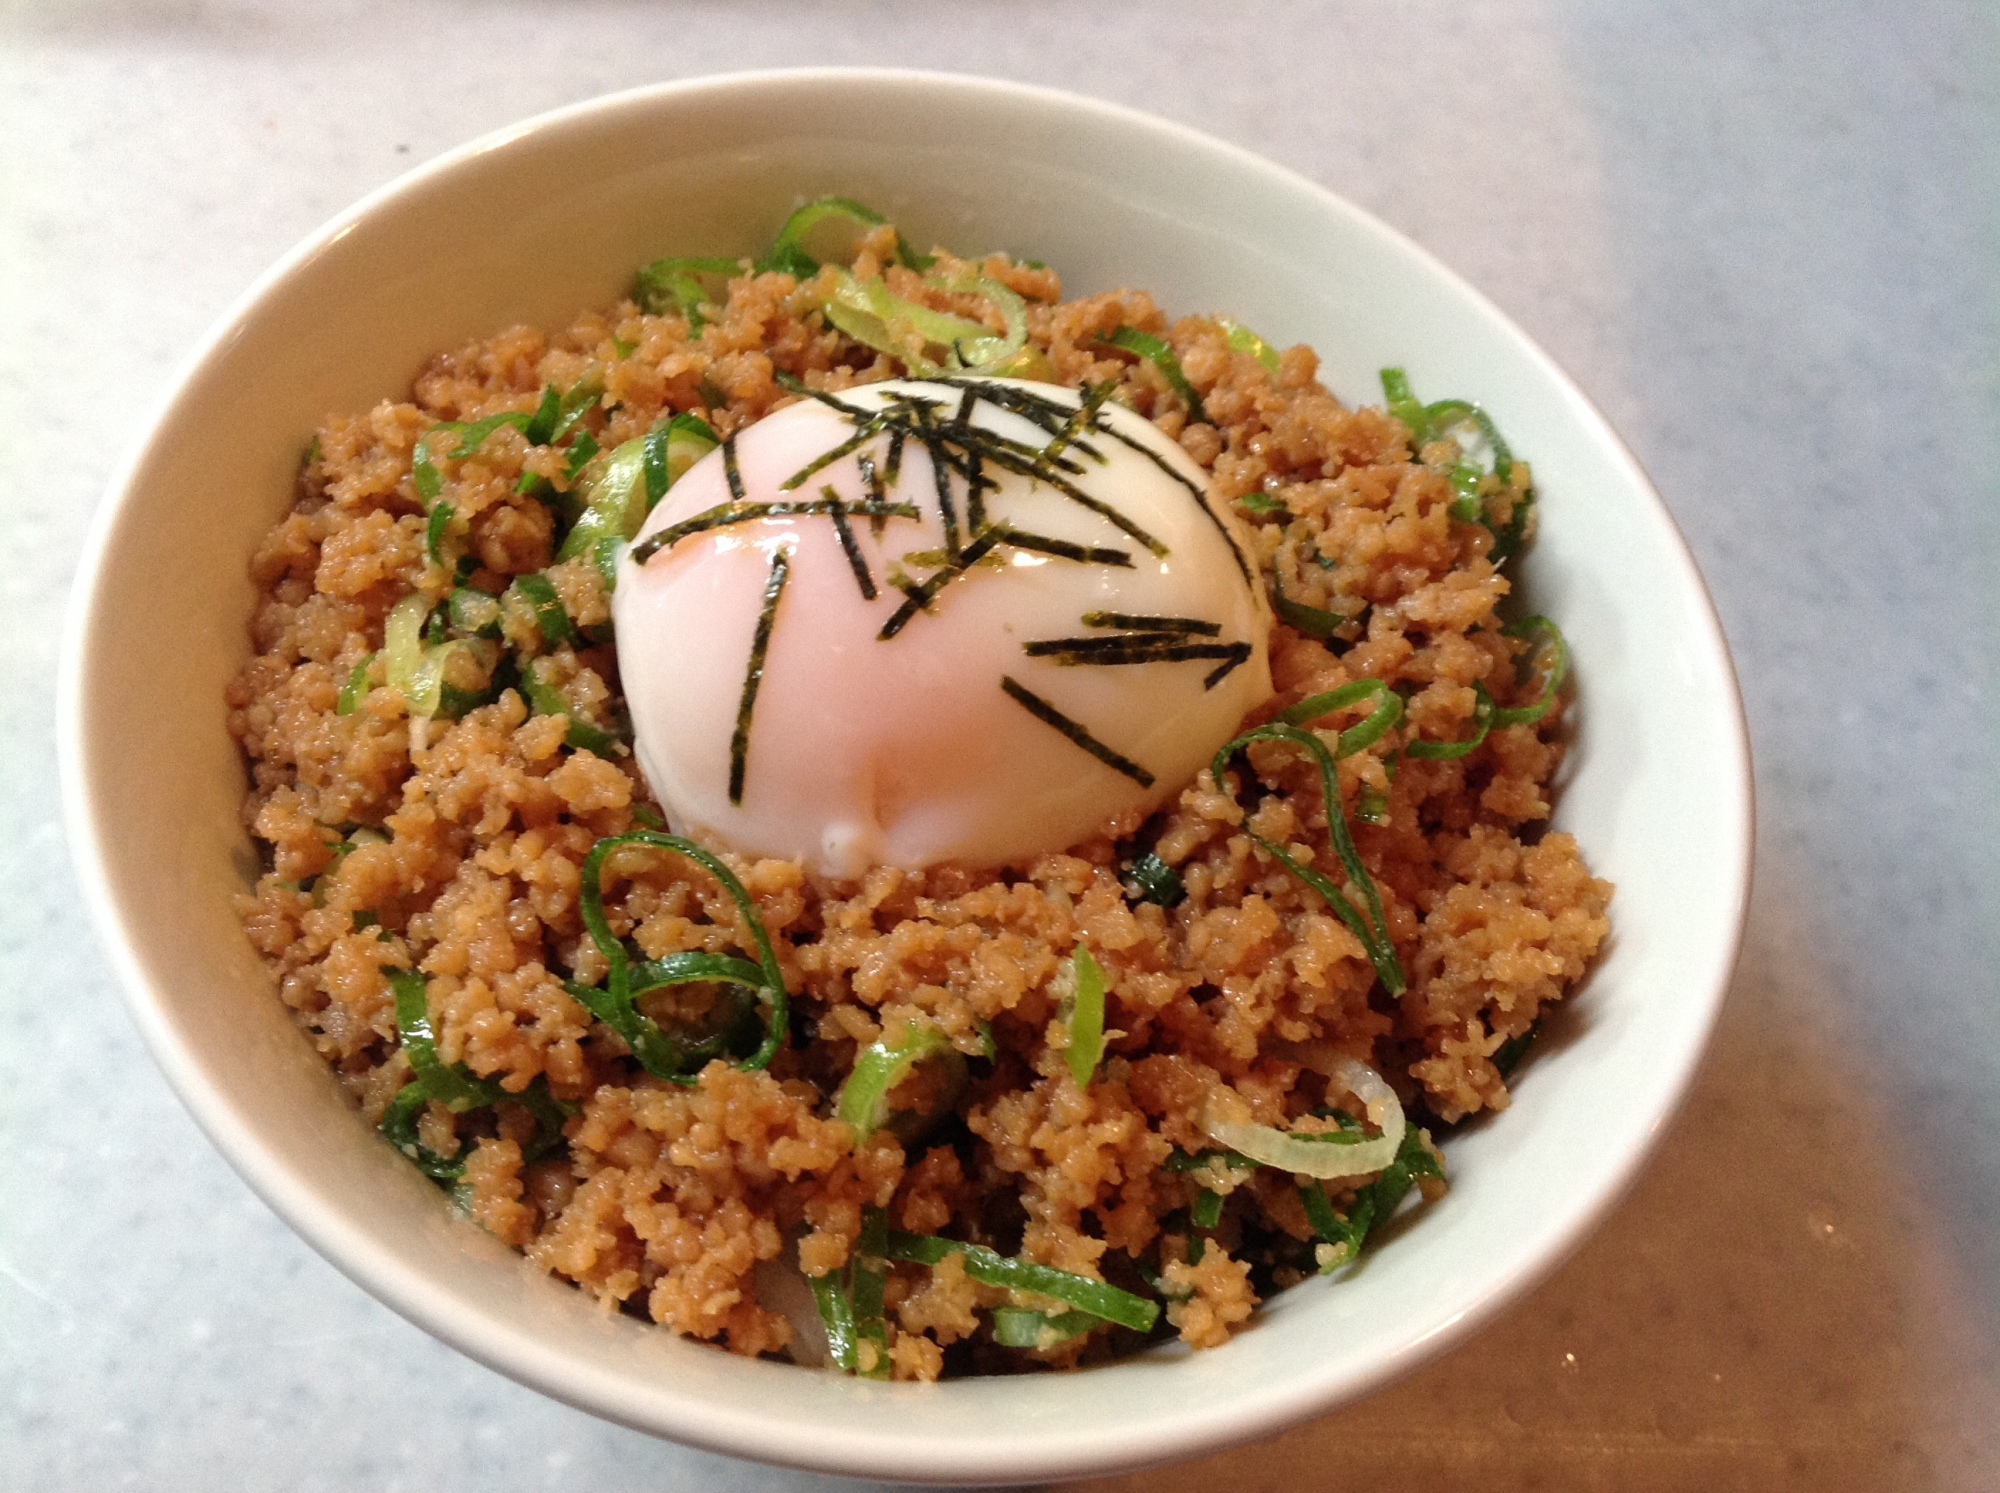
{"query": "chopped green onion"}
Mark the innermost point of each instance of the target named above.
(683, 285)
(787, 253)
(1084, 1012)
(1482, 722)
(1371, 929)
(1242, 340)
(1388, 710)
(1507, 1056)
(1161, 356)
(1206, 1211)
(623, 349)
(1373, 1205)
(836, 1314)
(660, 1054)
(611, 496)
(1371, 806)
(1337, 1153)
(1314, 622)
(878, 1068)
(868, 1275)
(1427, 423)
(1403, 405)
(647, 817)
(618, 980)
(434, 530)
(546, 699)
(476, 612)
(534, 589)
(449, 1084)
(1183, 1161)
(423, 471)
(605, 555)
(403, 641)
(1558, 667)
(1020, 1327)
(356, 688)
(868, 312)
(672, 446)
(1157, 882)
(1258, 502)
(580, 451)
(1079, 1292)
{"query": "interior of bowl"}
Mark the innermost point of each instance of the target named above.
(555, 216)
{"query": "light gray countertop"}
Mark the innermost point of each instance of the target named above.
(1765, 238)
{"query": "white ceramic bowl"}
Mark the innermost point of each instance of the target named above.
(541, 220)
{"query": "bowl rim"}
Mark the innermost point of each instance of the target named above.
(468, 1327)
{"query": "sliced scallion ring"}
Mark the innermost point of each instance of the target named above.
(879, 1067)
(611, 496)
(1162, 357)
(619, 978)
(1557, 668)
(1331, 1155)
(1387, 711)
(1242, 340)
(550, 616)
(682, 285)
(545, 699)
(1482, 722)
(672, 446)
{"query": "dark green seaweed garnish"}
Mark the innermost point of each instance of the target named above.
(855, 559)
(724, 515)
(753, 676)
(1137, 623)
(1043, 711)
(1157, 882)
(731, 472)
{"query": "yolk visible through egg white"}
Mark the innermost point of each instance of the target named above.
(908, 751)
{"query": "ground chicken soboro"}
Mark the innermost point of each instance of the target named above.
(453, 847)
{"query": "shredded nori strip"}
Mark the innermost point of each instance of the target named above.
(1043, 711)
(731, 471)
(1227, 667)
(724, 515)
(753, 676)
(1043, 544)
(870, 428)
(1158, 882)
(1134, 622)
(919, 598)
(845, 531)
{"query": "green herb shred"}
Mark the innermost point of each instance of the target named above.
(1043, 711)
(1161, 356)
(753, 674)
(669, 1057)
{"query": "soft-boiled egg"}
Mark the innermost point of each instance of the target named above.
(921, 621)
